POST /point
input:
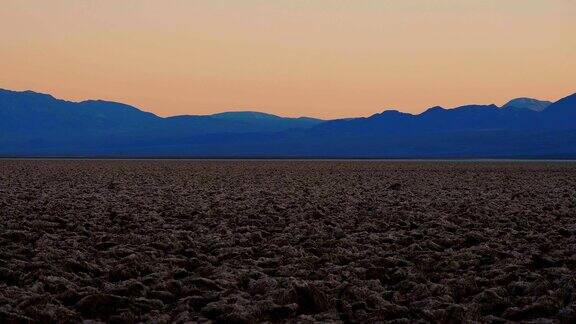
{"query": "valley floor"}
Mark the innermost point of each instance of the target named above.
(326, 241)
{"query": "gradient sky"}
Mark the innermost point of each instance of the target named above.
(321, 58)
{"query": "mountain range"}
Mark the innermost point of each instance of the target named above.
(39, 125)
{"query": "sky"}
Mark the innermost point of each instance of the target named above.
(318, 58)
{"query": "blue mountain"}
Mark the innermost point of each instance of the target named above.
(527, 103)
(236, 122)
(38, 111)
(33, 124)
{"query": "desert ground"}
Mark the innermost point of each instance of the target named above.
(287, 241)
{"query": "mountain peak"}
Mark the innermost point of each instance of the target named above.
(475, 106)
(256, 116)
(434, 109)
(527, 103)
(389, 112)
(247, 114)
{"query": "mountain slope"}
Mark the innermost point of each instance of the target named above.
(527, 103)
(39, 114)
(436, 119)
(33, 124)
(561, 114)
(566, 105)
(237, 122)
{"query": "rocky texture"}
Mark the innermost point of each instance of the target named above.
(178, 241)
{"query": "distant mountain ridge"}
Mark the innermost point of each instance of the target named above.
(527, 103)
(34, 124)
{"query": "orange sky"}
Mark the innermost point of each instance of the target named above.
(321, 58)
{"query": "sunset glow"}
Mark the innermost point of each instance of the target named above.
(318, 58)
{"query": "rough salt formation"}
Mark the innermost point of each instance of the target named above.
(178, 241)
